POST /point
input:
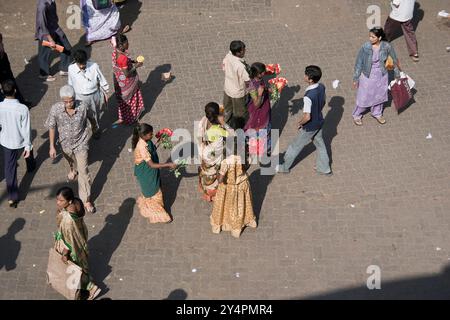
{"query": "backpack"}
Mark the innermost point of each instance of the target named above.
(101, 4)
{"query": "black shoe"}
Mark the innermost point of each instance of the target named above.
(13, 204)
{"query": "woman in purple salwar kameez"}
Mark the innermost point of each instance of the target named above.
(371, 76)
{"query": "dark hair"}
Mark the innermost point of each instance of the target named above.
(313, 73)
(121, 40)
(66, 193)
(80, 56)
(256, 69)
(212, 112)
(9, 87)
(379, 32)
(236, 46)
(139, 131)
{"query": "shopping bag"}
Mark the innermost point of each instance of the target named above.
(411, 82)
(64, 278)
(401, 93)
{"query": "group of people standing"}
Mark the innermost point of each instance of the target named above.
(223, 178)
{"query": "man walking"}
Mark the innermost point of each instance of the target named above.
(310, 125)
(401, 16)
(15, 137)
(236, 80)
(71, 117)
(48, 29)
(87, 80)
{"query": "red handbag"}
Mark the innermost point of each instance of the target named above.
(401, 93)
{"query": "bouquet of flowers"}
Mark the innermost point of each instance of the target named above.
(164, 135)
(273, 68)
(277, 85)
(180, 164)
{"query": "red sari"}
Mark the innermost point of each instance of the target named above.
(128, 93)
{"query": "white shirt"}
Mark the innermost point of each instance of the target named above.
(235, 76)
(87, 81)
(402, 10)
(307, 103)
(15, 125)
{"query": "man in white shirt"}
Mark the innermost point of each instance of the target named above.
(236, 80)
(15, 137)
(401, 16)
(88, 81)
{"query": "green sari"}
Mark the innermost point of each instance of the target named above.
(148, 178)
(72, 235)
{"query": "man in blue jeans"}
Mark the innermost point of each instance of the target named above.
(310, 125)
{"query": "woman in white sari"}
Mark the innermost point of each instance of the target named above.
(100, 24)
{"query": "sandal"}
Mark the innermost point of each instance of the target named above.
(381, 120)
(94, 292)
(72, 175)
(91, 209)
(415, 57)
(358, 122)
(126, 29)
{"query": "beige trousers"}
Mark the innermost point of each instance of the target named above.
(84, 178)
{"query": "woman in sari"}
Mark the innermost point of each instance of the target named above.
(233, 209)
(126, 83)
(211, 133)
(258, 125)
(100, 24)
(71, 239)
(146, 170)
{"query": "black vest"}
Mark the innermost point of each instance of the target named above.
(317, 97)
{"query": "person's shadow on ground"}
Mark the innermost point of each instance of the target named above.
(104, 244)
(177, 294)
(32, 88)
(108, 149)
(129, 12)
(40, 156)
(169, 182)
(153, 87)
(259, 183)
(329, 130)
(428, 287)
(9, 246)
(279, 110)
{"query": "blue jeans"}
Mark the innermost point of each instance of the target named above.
(303, 138)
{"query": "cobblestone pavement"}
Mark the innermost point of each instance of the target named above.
(387, 203)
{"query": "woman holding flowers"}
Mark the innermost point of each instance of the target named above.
(146, 170)
(211, 133)
(258, 125)
(126, 83)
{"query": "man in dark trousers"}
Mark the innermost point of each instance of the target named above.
(15, 137)
(48, 29)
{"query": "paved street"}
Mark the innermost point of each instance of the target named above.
(388, 203)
